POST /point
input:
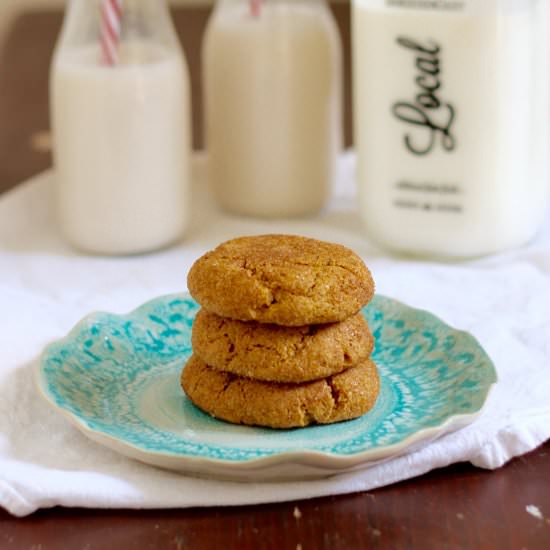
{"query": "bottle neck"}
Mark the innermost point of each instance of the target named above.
(255, 8)
(147, 20)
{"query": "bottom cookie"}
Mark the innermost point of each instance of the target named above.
(342, 396)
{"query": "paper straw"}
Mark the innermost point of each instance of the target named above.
(111, 12)
(255, 7)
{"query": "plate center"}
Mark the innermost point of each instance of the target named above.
(163, 405)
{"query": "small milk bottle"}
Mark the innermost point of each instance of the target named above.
(452, 122)
(272, 74)
(120, 117)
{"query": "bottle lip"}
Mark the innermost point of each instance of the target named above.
(451, 7)
(148, 20)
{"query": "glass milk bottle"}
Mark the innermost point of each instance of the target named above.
(452, 122)
(272, 94)
(120, 115)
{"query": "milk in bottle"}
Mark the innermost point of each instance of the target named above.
(272, 83)
(120, 131)
(451, 122)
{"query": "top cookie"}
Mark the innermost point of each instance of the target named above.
(281, 279)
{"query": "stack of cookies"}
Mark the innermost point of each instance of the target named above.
(280, 340)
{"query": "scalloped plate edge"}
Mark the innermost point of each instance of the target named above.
(287, 465)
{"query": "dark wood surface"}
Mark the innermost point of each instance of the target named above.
(456, 507)
(459, 507)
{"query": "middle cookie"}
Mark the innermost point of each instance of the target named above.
(275, 353)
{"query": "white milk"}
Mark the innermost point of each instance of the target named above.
(477, 180)
(121, 148)
(272, 106)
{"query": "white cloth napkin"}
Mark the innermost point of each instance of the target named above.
(45, 288)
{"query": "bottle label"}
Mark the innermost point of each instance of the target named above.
(428, 117)
(422, 96)
(428, 125)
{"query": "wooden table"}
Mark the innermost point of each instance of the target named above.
(456, 507)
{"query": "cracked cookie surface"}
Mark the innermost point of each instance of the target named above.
(240, 400)
(280, 354)
(281, 279)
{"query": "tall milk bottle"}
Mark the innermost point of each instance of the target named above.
(120, 116)
(272, 94)
(452, 123)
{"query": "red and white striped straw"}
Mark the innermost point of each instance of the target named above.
(255, 7)
(111, 12)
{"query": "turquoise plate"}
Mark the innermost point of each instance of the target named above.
(116, 377)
